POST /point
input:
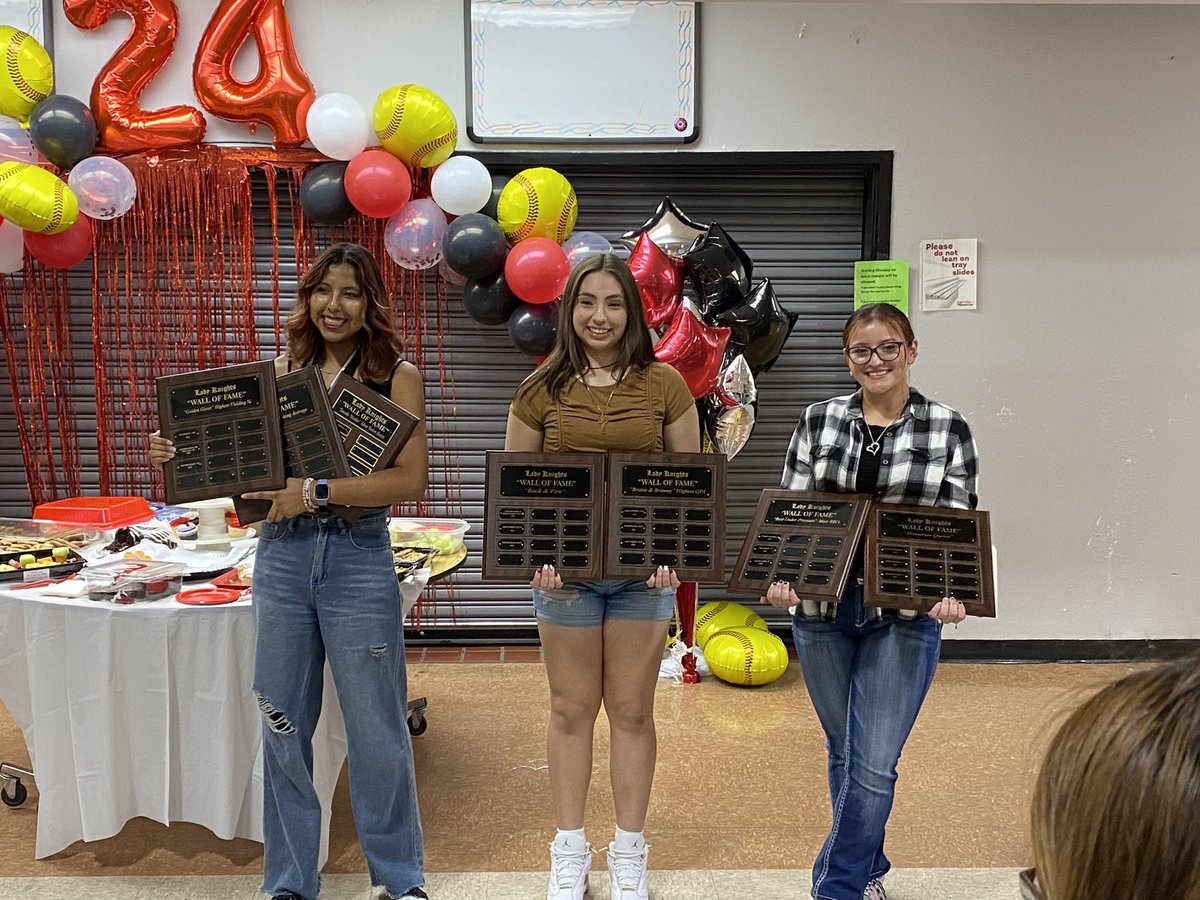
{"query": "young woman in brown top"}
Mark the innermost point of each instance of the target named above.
(602, 390)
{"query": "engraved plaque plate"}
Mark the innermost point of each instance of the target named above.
(312, 445)
(543, 508)
(806, 538)
(666, 509)
(916, 555)
(225, 427)
(373, 428)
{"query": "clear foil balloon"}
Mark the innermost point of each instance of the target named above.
(582, 244)
(15, 143)
(103, 186)
(413, 236)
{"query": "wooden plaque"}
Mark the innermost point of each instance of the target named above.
(312, 445)
(916, 555)
(666, 509)
(806, 538)
(543, 508)
(225, 427)
(373, 428)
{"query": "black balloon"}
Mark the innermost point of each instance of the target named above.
(719, 271)
(498, 183)
(760, 324)
(488, 300)
(474, 246)
(63, 129)
(323, 195)
(532, 327)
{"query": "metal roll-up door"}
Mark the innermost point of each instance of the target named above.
(803, 218)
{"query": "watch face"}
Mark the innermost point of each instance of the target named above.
(322, 492)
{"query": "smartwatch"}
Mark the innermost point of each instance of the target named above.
(321, 493)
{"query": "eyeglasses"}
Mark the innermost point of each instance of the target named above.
(887, 351)
(1029, 888)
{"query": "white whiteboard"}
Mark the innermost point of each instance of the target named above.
(28, 15)
(582, 70)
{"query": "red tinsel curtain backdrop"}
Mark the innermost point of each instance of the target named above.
(173, 287)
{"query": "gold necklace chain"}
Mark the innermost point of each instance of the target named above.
(603, 413)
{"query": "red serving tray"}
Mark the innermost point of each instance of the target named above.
(96, 512)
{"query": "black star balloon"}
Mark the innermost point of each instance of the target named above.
(669, 228)
(719, 271)
(760, 324)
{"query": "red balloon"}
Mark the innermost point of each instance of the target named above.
(279, 95)
(377, 183)
(694, 350)
(659, 279)
(62, 250)
(122, 123)
(536, 270)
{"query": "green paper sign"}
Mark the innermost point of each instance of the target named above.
(881, 281)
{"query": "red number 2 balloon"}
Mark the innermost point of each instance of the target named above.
(279, 95)
(120, 119)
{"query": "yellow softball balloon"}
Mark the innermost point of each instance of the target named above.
(746, 656)
(416, 125)
(27, 75)
(537, 203)
(36, 200)
(712, 617)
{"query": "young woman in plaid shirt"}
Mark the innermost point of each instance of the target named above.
(867, 670)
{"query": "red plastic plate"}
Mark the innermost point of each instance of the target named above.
(208, 596)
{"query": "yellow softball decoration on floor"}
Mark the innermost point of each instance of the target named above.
(27, 76)
(36, 200)
(712, 617)
(537, 203)
(415, 125)
(746, 656)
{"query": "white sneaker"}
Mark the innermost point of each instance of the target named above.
(627, 873)
(568, 872)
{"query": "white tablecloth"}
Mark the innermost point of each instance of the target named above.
(145, 710)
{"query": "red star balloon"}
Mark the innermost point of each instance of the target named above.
(694, 350)
(659, 279)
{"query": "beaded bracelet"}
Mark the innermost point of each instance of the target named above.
(306, 495)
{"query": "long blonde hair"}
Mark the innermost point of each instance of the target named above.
(1116, 809)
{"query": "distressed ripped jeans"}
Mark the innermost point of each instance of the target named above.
(323, 588)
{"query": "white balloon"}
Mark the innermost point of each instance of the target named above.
(461, 185)
(338, 126)
(104, 187)
(12, 248)
(15, 143)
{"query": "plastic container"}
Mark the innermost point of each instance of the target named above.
(443, 535)
(130, 581)
(96, 512)
(44, 531)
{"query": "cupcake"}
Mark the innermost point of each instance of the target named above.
(187, 531)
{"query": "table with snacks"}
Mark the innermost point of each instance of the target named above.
(133, 703)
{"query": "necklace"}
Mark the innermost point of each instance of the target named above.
(873, 447)
(602, 412)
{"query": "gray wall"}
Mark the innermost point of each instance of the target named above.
(1062, 137)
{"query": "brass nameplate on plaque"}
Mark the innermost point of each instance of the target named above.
(806, 538)
(373, 428)
(225, 427)
(666, 509)
(312, 445)
(916, 555)
(543, 508)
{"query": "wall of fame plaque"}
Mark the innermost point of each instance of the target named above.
(543, 508)
(666, 509)
(373, 428)
(806, 538)
(312, 444)
(225, 427)
(916, 555)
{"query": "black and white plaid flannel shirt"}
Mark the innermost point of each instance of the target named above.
(926, 458)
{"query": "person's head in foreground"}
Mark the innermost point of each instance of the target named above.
(1116, 809)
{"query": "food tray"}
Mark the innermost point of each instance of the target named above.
(444, 535)
(73, 563)
(96, 512)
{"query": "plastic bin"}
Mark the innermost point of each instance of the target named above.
(130, 581)
(96, 512)
(443, 535)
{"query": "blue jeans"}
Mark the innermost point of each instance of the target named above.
(867, 681)
(583, 604)
(324, 588)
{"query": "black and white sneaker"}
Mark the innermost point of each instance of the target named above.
(875, 890)
(415, 894)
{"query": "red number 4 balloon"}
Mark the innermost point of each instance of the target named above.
(122, 123)
(279, 95)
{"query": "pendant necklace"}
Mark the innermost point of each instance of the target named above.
(873, 447)
(603, 412)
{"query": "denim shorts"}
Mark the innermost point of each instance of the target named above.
(583, 604)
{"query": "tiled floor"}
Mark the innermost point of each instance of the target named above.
(739, 796)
